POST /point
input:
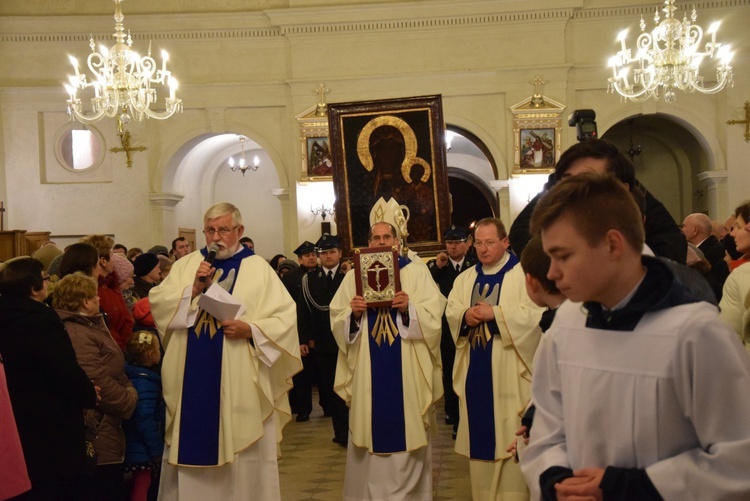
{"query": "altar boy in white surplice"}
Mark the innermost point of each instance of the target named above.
(641, 390)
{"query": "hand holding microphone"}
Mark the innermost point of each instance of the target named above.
(209, 259)
(205, 270)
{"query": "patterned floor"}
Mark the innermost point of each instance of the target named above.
(312, 467)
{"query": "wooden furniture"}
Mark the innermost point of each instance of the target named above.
(21, 243)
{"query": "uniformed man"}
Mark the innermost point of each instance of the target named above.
(446, 266)
(300, 397)
(318, 288)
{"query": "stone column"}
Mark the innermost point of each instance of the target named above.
(289, 223)
(715, 182)
(163, 226)
(503, 195)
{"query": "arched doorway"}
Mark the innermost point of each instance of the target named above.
(470, 170)
(668, 157)
(203, 176)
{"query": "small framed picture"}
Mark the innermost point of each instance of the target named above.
(319, 162)
(315, 147)
(537, 148)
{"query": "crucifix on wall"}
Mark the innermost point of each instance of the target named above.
(746, 122)
(124, 136)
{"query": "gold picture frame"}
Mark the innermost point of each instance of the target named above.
(537, 134)
(395, 149)
(317, 162)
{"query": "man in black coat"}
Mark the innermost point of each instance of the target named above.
(698, 231)
(47, 388)
(314, 322)
(597, 155)
(300, 396)
(446, 266)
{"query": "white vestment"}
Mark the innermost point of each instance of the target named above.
(255, 377)
(517, 318)
(670, 397)
(422, 386)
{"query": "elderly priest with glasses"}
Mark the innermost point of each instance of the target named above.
(225, 379)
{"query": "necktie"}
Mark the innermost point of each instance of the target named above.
(330, 276)
(458, 268)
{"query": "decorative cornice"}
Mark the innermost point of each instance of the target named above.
(647, 11)
(430, 23)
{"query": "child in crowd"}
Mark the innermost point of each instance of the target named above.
(144, 431)
(640, 388)
(543, 292)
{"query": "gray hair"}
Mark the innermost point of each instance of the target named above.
(222, 209)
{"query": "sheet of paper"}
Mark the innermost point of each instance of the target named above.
(220, 304)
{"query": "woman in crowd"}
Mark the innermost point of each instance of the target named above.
(124, 272)
(48, 390)
(735, 300)
(81, 257)
(76, 301)
(118, 317)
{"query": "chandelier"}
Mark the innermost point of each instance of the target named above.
(122, 82)
(241, 163)
(669, 58)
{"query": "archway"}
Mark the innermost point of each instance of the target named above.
(203, 177)
(670, 159)
(471, 168)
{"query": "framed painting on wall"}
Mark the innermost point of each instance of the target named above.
(537, 132)
(317, 162)
(392, 149)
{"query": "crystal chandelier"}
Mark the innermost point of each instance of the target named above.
(122, 82)
(241, 163)
(669, 58)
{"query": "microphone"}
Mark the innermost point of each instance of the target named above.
(210, 258)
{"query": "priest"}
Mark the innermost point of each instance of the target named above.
(495, 326)
(225, 379)
(390, 378)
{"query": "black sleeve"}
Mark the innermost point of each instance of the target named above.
(663, 235)
(519, 234)
(625, 484)
(53, 353)
(550, 477)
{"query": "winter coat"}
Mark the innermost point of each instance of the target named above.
(104, 363)
(48, 390)
(119, 319)
(144, 431)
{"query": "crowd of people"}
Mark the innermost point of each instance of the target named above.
(594, 351)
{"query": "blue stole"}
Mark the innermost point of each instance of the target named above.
(478, 390)
(386, 381)
(200, 413)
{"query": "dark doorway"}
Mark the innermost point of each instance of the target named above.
(472, 199)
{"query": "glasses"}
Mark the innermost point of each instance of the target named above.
(487, 243)
(210, 232)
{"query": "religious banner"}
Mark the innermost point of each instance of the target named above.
(376, 275)
(393, 149)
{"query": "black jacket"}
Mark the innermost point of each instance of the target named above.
(714, 252)
(663, 235)
(48, 390)
(313, 316)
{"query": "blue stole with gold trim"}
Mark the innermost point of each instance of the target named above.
(479, 396)
(200, 412)
(386, 382)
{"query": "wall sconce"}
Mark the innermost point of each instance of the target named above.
(323, 211)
